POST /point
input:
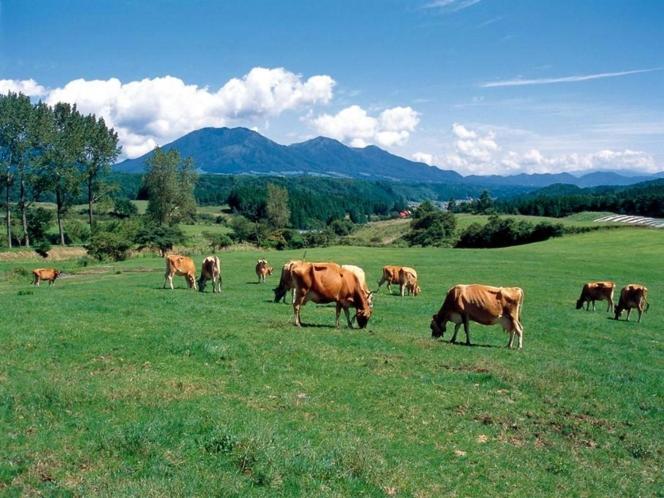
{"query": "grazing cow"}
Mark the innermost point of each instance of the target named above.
(263, 270)
(359, 273)
(632, 296)
(210, 270)
(482, 304)
(408, 281)
(328, 282)
(390, 275)
(596, 291)
(49, 274)
(286, 282)
(180, 266)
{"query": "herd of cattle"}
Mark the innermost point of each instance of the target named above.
(346, 286)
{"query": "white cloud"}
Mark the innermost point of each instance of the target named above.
(27, 87)
(158, 110)
(565, 79)
(449, 6)
(479, 153)
(423, 157)
(354, 125)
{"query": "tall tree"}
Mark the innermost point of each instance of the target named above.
(63, 143)
(15, 113)
(100, 149)
(170, 184)
(276, 207)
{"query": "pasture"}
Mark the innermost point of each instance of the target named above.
(111, 386)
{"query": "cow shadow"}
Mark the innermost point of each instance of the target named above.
(472, 345)
(320, 326)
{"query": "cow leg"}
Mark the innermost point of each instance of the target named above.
(348, 319)
(169, 279)
(338, 312)
(593, 305)
(587, 305)
(389, 287)
(640, 310)
(466, 328)
(629, 310)
(293, 295)
(456, 330)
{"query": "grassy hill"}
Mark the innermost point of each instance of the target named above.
(110, 385)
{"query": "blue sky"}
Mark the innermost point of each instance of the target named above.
(480, 86)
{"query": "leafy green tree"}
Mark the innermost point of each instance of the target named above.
(162, 237)
(485, 204)
(431, 226)
(111, 241)
(15, 119)
(61, 140)
(218, 240)
(170, 184)
(100, 149)
(276, 206)
(124, 208)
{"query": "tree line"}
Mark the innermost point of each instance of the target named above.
(53, 150)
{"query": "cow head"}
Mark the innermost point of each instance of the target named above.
(269, 270)
(201, 283)
(279, 293)
(579, 304)
(56, 274)
(363, 316)
(436, 329)
(417, 290)
(618, 311)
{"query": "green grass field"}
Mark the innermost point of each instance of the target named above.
(111, 386)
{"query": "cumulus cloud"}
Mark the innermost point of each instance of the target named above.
(27, 87)
(355, 126)
(158, 110)
(423, 157)
(478, 152)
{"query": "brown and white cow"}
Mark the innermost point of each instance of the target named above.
(180, 266)
(263, 270)
(482, 304)
(632, 296)
(408, 281)
(210, 270)
(286, 282)
(326, 283)
(390, 275)
(596, 291)
(49, 274)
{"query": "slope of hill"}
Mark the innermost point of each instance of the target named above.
(243, 151)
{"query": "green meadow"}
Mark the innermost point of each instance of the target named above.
(112, 386)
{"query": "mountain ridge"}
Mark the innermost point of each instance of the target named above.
(240, 150)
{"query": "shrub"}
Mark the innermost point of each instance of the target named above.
(431, 227)
(341, 227)
(42, 247)
(503, 232)
(108, 245)
(124, 208)
(161, 237)
(218, 240)
(76, 231)
(39, 220)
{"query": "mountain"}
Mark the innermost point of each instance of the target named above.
(243, 151)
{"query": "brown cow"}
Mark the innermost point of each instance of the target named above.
(286, 282)
(210, 270)
(408, 281)
(49, 274)
(390, 275)
(328, 282)
(596, 291)
(482, 304)
(263, 270)
(180, 266)
(632, 296)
